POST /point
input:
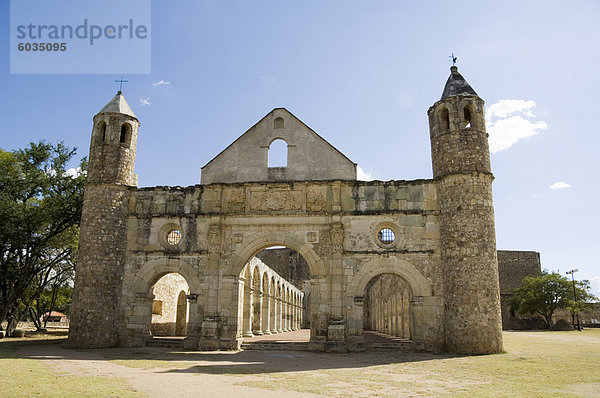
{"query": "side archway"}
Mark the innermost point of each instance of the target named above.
(391, 265)
(140, 304)
(419, 285)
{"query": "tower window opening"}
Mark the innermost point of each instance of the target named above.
(445, 119)
(278, 152)
(278, 123)
(102, 131)
(467, 114)
(125, 134)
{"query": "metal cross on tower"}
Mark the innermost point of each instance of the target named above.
(453, 59)
(121, 81)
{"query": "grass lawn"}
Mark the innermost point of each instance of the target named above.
(20, 377)
(535, 364)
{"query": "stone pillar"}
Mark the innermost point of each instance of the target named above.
(280, 317)
(266, 314)
(211, 325)
(285, 314)
(248, 313)
(257, 316)
(274, 314)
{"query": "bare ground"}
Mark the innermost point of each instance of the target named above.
(536, 364)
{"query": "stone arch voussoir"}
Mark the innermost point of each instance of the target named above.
(154, 269)
(419, 284)
(260, 241)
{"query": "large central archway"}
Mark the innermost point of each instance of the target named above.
(302, 296)
(271, 296)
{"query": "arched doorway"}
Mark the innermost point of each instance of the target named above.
(170, 312)
(387, 306)
(272, 284)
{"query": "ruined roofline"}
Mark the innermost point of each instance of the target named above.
(263, 118)
(419, 181)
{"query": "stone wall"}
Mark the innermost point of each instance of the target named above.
(332, 225)
(513, 266)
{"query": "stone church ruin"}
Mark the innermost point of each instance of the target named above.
(413, 259)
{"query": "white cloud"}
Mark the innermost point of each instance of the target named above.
(560, 185)
(503, 108)
(74, 172)
(161, 83)
(507, 123)
(362, 175)
(145, 101)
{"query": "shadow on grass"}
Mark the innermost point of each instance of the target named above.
(215, 362)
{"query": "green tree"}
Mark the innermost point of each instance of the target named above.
(40, 210)
(546, 292)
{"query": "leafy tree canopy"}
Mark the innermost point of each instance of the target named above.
(546, 292)
(40, 210)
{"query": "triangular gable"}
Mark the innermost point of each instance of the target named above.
(263, 118)
(310, 156)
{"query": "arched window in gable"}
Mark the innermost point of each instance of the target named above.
(278, 151)
(278, 123)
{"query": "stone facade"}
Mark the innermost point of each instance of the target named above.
(513, 266)
(435, 236)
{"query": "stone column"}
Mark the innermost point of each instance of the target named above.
(274, 314)
(266, 314)
(284, 313)
(280, 317)
(248, 312)
(212, 322)
(257, 316)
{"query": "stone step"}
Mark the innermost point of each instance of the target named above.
(274, 346)
(398, 346)
(165, 342)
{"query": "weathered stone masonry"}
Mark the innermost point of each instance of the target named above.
(439, 241)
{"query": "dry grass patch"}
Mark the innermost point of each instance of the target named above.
(536, 364)
(24, 377)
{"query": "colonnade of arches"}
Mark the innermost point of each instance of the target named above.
(268, 304)
(388, 297)
(392, 315)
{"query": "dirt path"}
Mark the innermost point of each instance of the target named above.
(182, 380)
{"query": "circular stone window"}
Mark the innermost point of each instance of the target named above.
(174, 237)
(386, 236)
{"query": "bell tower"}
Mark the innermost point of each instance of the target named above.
(462, 172)
(96, 315)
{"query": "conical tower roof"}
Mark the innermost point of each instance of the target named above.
(118, 105)
(456, 85)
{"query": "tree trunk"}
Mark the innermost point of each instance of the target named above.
(549, 321)
(12, 324)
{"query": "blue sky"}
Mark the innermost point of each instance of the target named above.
(362, 74)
